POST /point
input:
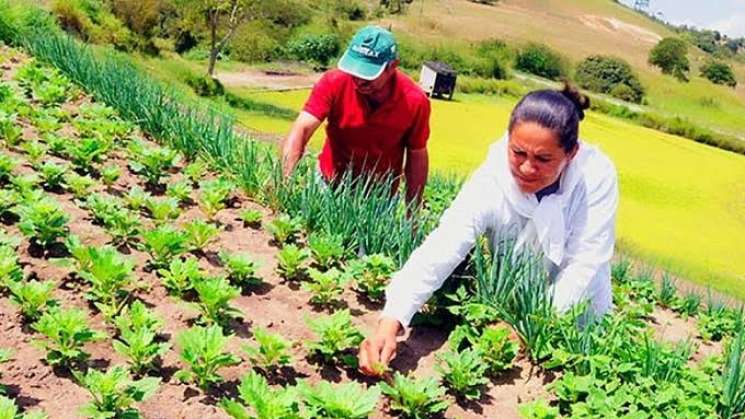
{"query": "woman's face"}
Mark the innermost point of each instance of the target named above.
(536, 157)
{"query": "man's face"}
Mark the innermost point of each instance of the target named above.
(536, 158)
(373, 88)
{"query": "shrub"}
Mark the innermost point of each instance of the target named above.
(670, 56)
(316, 49)
(604, 74)
(205, 85)
(719, 73)
(252, 43)
(542, 61)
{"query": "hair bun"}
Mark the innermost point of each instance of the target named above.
(580, 100)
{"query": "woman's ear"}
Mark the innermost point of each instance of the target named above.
(573, 153)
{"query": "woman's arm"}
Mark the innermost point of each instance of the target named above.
(469, 215)
(592, 240)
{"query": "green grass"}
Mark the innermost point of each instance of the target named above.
(682, 204)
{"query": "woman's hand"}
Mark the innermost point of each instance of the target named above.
(379, 349)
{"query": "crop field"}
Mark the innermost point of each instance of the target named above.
(691, 222)
(159, 269)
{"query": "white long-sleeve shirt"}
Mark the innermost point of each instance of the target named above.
(574, 228)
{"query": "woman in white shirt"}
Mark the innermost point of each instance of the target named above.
(554, 193)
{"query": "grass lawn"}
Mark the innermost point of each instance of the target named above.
(682, 203)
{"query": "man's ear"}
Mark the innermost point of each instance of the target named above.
(394, 64)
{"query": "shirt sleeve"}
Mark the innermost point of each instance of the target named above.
(441, 252)
(418, 133)
(590, 245)
(321, 98)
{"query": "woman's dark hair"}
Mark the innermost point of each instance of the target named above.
(557, 110)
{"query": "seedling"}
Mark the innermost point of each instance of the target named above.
(327, 250)
(214, 195)
(137, 198)
(214, 297)
(109, 274)
(32, 297)
(110, 174)
(464, 372)
(336, 337)
(251, 217)
(114, 392)
(180, 191)
(164, 243)
(181, 275)
(199, 234)
(415, 398)
(52, 174)
(291, 260)
(497, 349)
(163, 209)
(371, 274)
(284, 229)
(196, 170)
(34, 150)
(326, 287)
(241, 269)
(10, 268)
(347, 401)
(66, 332)
(202, 349)
(137, 341)
(266, 402)
(43, 221)
(8, 410)
(86, 153)
(79, 186)
(152, 162)
(271, 351)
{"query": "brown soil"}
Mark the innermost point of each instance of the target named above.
(268, 80)
(278, 306)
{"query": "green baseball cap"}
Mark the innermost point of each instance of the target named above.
(369, 53)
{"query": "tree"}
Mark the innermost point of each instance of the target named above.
(719, 73)
(223, 18)
(611, 75)
(670, 55)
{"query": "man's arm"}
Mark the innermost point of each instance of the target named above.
(416, 170)
(294, 145)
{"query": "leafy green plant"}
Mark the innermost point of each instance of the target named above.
(124, 226)
(137, 338)
(241, 269)
(56, 145)
(78, 185)
(26, 184)
(716, 322)
(214, 297)
(464, 372)
(137, 198)
(290, 261)
(251, 217)
(213, 196)
(327, 250)
(325, 287)
(114, 392)
(43, 221)
(66, 332)
(371, 274)
(284, 228)
(538, 409)
(110, 174)
(200, 233)
(34, 150)
(101, 207)
(163, 243)
(152, 162)
(667, 296)
(202, 349)
(270, 352)
(32, 297)
(343, 401)
(109, 274)
(8, 410)
(181, 275)
(415, 398)
(180, 191)
(688, 305)
(196, 170)
(85, 153)
(497, 349)
(53, 174)
(10, 268)
(10, 131)
(732, 400)
(337, 335)
(163, 209)
(8, 201)
(266, 402)
(7, 166)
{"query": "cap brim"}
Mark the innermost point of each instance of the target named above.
(359, 68)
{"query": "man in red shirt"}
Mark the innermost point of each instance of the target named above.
(378, 118)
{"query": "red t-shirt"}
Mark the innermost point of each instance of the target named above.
(370, 141)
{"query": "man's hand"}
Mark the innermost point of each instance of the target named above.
(294, 145)
(378, 350)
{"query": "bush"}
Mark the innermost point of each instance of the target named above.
(317, 49)
(494, 56)
(205, 85)
(490, 87)
(719, 73)
(670, 55)
(252, 43)
(610, 75)
(542, 61)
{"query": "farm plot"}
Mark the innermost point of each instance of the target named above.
(136, 281)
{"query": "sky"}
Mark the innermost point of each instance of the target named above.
(726, 16)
